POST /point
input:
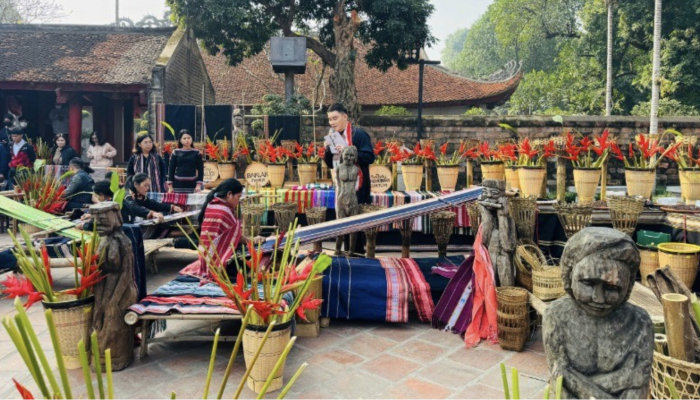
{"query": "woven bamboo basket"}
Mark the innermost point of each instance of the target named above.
(412, 176)
(252, 218)
(493, 170)
(531, 180)
(284, 214)
(683, 260)
(316, 215)
(625, 212)
(685, 376)
(226, 170)
(547, 284)
(524, 212)
(690, 184)
(474, 216)
(447, 176)
(513, 318)
(512, 180)
(574, 217)
(528, 258)
(276, 174)
(649, 264)
(307, 173)
(586, 181)
(270, 353)
(371, 233)
(443, 223)
(640, 182)
(73, 320)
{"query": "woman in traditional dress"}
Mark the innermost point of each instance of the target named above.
(62, 152)
(101, 154)
(186, 171)
(148, 162)
(101, 191)
(78, 193)
(137, 204)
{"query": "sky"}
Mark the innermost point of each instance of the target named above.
(449, 15)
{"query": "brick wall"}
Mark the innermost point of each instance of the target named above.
(186, 75)
(454, 129)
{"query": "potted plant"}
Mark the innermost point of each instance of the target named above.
(412, 165)
(72, 308)
(275, 157)
(448, 166)
(41, 190)
(42, 150)
(492, 166)
(587, 157)
(644, 155)
(532, 171)
(688, 167)
(307, 162)
(508, 153)
(220, 154)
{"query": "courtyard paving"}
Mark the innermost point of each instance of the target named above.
(350, 359)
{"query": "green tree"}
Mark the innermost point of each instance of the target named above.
(240, 29)
(453, 46)
(392, 111)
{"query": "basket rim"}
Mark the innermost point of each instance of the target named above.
(692, 249)
(491, 162)
(588, 168)
(640, 169)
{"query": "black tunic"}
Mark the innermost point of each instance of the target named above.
(365, 157)
(186, 166)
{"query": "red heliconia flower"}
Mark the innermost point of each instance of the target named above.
(32, 298)
(26, 394)
(379, 147)
(549, 149)
(47, 263)
(462, 148)
(254, 257)
(603, 140)
(585, 143)
(526, 149)
(309, 303)
(224, 154)
(631, 151)
(17, 287)
(86, 283)
(321, 151)
(443, 149)
(265, 309)
(471, 153)
(617, 152)
(240, 283)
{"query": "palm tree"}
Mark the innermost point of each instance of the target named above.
(608, 86)
(655, 75)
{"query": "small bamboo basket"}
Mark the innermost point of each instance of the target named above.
(531, 180)
(447, 176)
(573, 217)
(371, 233)
(513, 318)
(685, 376)
(284, 214)
(307, 173)
(625, 212)
(252, 218)
(412, 176)
(640, 182)
(512, 179)
(528, 258)
(226, 170)
(493, 170)
(275, 172)
(690, 184)
(73, 320)
(547, 284)
(649, 264)
(474, 216)
(683, 260)
(524, 212)
(270, 353)
(316, 215)
(443, 224)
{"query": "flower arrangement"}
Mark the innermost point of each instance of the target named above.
(168, 148)
(507, 152)
(450, 160)
(241, 148)
(41, 191)
(644, 153)
(385, 153)
(42, 149)
(217, 152)
(484, 153)
(37, 283)
(534, 156)
(308, 155)
(581, 154)
(419, 155)
(271, 154)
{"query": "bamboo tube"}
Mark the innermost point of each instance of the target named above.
(394, 176)
(428, 175)
(661, 343)
(561, 179)
(678, 329)
(470, 173)
(504, 379)
(604, 180)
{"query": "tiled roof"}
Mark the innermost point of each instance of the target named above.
(246, 83)
(79, 54)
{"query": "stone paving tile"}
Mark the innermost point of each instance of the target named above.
(356, 383)
(420, 352)
(345, 328)
(335, 360)
(368, 345)
(390, 367)
(396, 332)
(444, 339)
(414, 388)
(478, 357)
(528, 385)
(479, 392)
(529, 363)
(449, 373)
(326, 339)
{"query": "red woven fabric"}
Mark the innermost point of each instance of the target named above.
(484, 323)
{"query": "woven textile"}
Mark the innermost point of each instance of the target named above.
(484, 311)
(454, 310)
(192, 201)
(410, 272)
(220, 233)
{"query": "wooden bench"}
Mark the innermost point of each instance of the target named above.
(153, 247)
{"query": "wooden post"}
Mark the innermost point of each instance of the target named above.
(470, 173)
(428, 176)
(604, 181)
(678, 329)
(561, 179)
(406, 230)
(394, 176)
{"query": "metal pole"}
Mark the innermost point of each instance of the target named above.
(421, 66)
(288, 86)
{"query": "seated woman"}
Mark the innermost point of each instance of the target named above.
(79, 190)
(138, 205)
(62, 153)
(101, 191)
(220, 229)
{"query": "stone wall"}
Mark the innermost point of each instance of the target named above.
(455, 129)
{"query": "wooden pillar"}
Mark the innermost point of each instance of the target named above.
(406, 231)
(75, 123)
(561, 179)
(428, 176)
(679, 332)
(394, 176)
(127, 140)
(470, 173)
(604, 180)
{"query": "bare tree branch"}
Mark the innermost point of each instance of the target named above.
(30, 11)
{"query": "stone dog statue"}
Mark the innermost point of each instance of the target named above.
(116, 292)
(600, 344)
(499, 234)
(346, 204)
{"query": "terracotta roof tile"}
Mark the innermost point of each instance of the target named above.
(246, 83)
(79, 54)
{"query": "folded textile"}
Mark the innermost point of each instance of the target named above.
(402, 271)
(484, 312)
(453, 311)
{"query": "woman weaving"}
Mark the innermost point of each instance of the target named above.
(137, 206)
(221, 231)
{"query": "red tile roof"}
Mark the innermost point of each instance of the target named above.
(79, 54)
(246, 83)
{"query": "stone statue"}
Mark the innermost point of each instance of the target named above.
(239, 128)
(116, 292)
(601, 345)
(346, 204)
(499, 234)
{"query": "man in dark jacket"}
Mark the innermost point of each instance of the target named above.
(21, 154)
(338, 119)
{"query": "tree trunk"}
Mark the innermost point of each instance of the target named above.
(342, 79)
(656, 66)
(609, 83)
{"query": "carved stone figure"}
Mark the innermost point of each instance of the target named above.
(499, 234)
(600, 344)
(239, 128)
(346, 204)
(117, 291)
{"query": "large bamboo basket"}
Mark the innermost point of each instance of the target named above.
(73, 320)
(524, 213)
(270, 353)
(531, 180)
(443, 223)
(284, 214)
(447, 176)
(474, 216)
(547, 284)
(690, 184)
(527, 258)
(649, 264)
(625, 212)
(640, 182)
(412, 176)
(586, 181)
(682, 258)
(513, 318)
(276, 174)
(573, 217)
(226, 170)
(252, 218)
(685, 376)
(307, 173)
(512, 179)
(493, 170)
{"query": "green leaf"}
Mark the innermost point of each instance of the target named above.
(322, 262)
(119, 197)
(170, 128)
(39, 164)
(65, 175)
(114, 183)
(559, 119)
